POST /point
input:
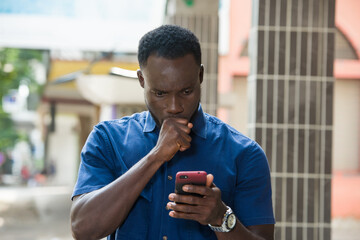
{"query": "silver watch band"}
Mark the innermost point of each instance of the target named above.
(223, 227)
(219, 229)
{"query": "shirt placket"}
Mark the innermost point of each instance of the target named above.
(169, 187)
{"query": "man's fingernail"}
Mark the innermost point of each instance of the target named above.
(186, 188)
(168, 206)
(171, 197)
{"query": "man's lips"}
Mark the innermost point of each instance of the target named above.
(176, 116)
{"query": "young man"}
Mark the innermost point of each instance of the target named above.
(125, 188)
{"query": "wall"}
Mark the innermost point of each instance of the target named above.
(63, 147)
(346, 134)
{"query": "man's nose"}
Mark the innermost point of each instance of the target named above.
(175, 105)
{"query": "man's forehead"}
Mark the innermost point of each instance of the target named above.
(154, 59)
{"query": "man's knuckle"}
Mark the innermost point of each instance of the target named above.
(187, 209)
(179, 198)
(202, 191)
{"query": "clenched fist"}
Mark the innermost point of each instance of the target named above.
(174, 136)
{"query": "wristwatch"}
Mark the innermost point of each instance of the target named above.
(228, 223)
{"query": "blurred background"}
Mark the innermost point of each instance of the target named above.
(286, 73)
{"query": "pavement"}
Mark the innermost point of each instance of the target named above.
(35, 213)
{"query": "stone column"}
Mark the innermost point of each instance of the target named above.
(291, 84)
(201, 17)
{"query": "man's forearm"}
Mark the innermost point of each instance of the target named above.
(99, 213)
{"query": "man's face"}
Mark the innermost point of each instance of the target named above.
(171, 86)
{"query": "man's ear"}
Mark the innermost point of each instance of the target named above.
(140, 77)
(201, 73)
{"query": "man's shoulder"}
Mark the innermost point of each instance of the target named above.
(216, 128)
(216, 125)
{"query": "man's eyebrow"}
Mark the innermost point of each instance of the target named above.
(193, 85)
(185, 88)
(157, 90)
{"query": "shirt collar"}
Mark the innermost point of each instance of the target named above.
(150, 124)
(198, 120)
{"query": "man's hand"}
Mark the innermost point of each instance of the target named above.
(174, 136)
(208, 209)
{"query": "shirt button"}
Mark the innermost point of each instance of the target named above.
(169, 177)
(164, 237)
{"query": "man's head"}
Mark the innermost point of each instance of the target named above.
(171, 72)
(170, 42)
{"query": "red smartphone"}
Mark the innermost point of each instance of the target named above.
(189, 177)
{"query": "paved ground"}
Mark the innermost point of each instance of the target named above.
(35, 213)
(42, 213)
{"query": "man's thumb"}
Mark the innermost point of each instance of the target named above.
(209, 180)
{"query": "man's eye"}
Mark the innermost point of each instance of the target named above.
(159, 93)
(187, 91)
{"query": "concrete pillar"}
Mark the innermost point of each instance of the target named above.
(201, 17)
(291, 83)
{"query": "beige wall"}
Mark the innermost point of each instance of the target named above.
(346, 134)
(239, 115)
(63, 148)
(233, 106)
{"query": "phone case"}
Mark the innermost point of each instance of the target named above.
(189, 177)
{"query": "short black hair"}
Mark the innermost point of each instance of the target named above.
(168, 41)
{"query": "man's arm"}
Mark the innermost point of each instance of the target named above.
(210, 209)
(113, 202)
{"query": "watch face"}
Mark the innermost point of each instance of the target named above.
(231, 221)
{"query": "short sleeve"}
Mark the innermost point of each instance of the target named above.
(253, 203)
(97, 168)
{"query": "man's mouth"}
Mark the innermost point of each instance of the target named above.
(175, 116)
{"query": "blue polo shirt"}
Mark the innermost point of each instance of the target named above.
(239, 166)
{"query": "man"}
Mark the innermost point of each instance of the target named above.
(125, 188)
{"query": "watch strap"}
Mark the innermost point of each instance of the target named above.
(223, 227)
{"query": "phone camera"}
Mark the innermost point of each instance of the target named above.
(183, 177)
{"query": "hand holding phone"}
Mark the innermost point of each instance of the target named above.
(189, 177)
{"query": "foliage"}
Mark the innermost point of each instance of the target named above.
(8, 134)
(19, 60)
(15, 69)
